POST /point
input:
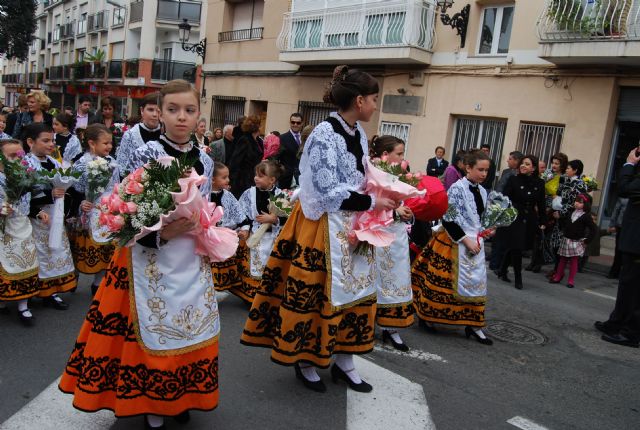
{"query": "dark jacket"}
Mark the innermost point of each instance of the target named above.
(26, 118)
(288, 157)
(433, 169)
(11, 122)
(629, 186)
(527, 196)
(246, 156)
(582, 228)
(491, 176)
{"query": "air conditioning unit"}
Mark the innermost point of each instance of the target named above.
(416, 79)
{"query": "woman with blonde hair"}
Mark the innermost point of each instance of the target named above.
(37, 103)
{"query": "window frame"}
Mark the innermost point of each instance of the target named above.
(495, 43)
(404, 127)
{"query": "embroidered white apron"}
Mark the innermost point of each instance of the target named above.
(18, 250)
(470, 273)
(174, 298)
(351, 277)
(393, 265)
(53, 263)
(259, 254)
(99, 233)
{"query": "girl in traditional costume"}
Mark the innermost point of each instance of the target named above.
(18, 260)
(149, 344)
(226, 274)
(91, 246)
(56, 270)
(148, 130)
(395, 299)
(449, 278)
(67, 144)
(254, 204)
(317, 297)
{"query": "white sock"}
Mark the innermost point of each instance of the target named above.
(55, 297)
(97, 278)
(155, 420)
(345, 362)
(221, 295)
(309, 373)
(23, 305)
(480, 333)
(395, 336)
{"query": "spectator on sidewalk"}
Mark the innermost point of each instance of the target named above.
(222, 149)
(246, 156)
(491, 176)
(455, 171)
(437, 165)
(289, 144)
(84, 116)
(12, 118)
(623, 325)
(615, 226)
(512, 162)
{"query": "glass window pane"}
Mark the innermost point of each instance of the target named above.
(395, 27)
(488, 24)
(374, 29)
(351, 39)
(333, 40)
(315, 33)
(300, 34)
(505, 30)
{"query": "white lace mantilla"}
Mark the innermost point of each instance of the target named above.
(154, 150)
(328, 171)
(131, 140)
(233, 214)
(71, 151)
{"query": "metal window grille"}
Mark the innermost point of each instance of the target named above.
(313, 113)
(541, 140)
(470, 133)
(397, 129)
(226, 110)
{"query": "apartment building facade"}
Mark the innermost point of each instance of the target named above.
(537, 76)
(118, 48)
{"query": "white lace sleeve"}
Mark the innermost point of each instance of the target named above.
(457, 211)
(205, 189)
(328, 172)
(233, 214)
(80, 166)
(124, 151)
(72, 150)
(144, 154)
(245, 205)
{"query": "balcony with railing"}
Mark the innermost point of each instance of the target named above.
(131, 68)
(14, 79)
(590, 32)
(114, 71)
(56, 73)
(384, 32)
(34, 79)
(177, 11)
(135, 11)
(67, 31)
(89, 72)
(164, 70)
(238, 35)
(99, 21)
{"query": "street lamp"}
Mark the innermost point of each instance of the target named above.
(184, 30)
(458, 21)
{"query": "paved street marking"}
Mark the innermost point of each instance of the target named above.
(525, 424)
(395, 402)
(412, 353)
(600, 295)
(52, 410)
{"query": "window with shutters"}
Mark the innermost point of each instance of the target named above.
(471, 132)
(541, 140)
(397, 129)
(313, 113)
(226, 110)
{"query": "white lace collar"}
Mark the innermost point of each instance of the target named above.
(182, 148)
(347, 128)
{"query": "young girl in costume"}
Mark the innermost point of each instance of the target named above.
(92, 249)
(158, 354)
(3, 125)
(449, 277)
(67, 144)
(395, 299)
(18, 262)
(56, 270)
(317, 298)
(226, 274)
(579, 230)
(254, 204)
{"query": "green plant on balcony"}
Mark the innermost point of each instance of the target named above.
(96, 61)
(132, 69)
(601, 20)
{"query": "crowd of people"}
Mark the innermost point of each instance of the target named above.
(149, 342)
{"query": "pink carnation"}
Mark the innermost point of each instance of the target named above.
(128, 208)
(134, 187)
(404, 164)
(114, 223)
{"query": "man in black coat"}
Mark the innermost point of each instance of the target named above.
(437, 164)
(288, 156)
(12, 118)
(623, 325)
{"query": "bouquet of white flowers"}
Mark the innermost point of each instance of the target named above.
(99, 172)
(498, 213)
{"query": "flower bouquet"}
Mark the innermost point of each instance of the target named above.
(498, 213)
(159, 193)
(99, 173)
(58, 178)
(370, 226)
(547, 175)
(280, 205)
(590, 182)
(400, 170)
(19, 180)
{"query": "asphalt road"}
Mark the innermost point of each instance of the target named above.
(573, 380)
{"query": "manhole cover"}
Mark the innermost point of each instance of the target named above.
(514, 333)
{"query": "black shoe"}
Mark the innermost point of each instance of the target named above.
(183, 418)
(612, 276)
(605, 328)
(529, 268)
(569, 285)
(536, 269)
(56, 302)
(337, 373)
(26, 320)
(518, 284)
(620, 339)
(94, 289)
(427, 326)
(147, 426)
(468, 331)
(386, 336)
(317, 386)
(504, 277)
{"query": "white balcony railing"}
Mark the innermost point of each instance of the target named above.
(579, 20)
(370, 25)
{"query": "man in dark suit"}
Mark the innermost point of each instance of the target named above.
(288, 156)
(623, 325)
(437, 164)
